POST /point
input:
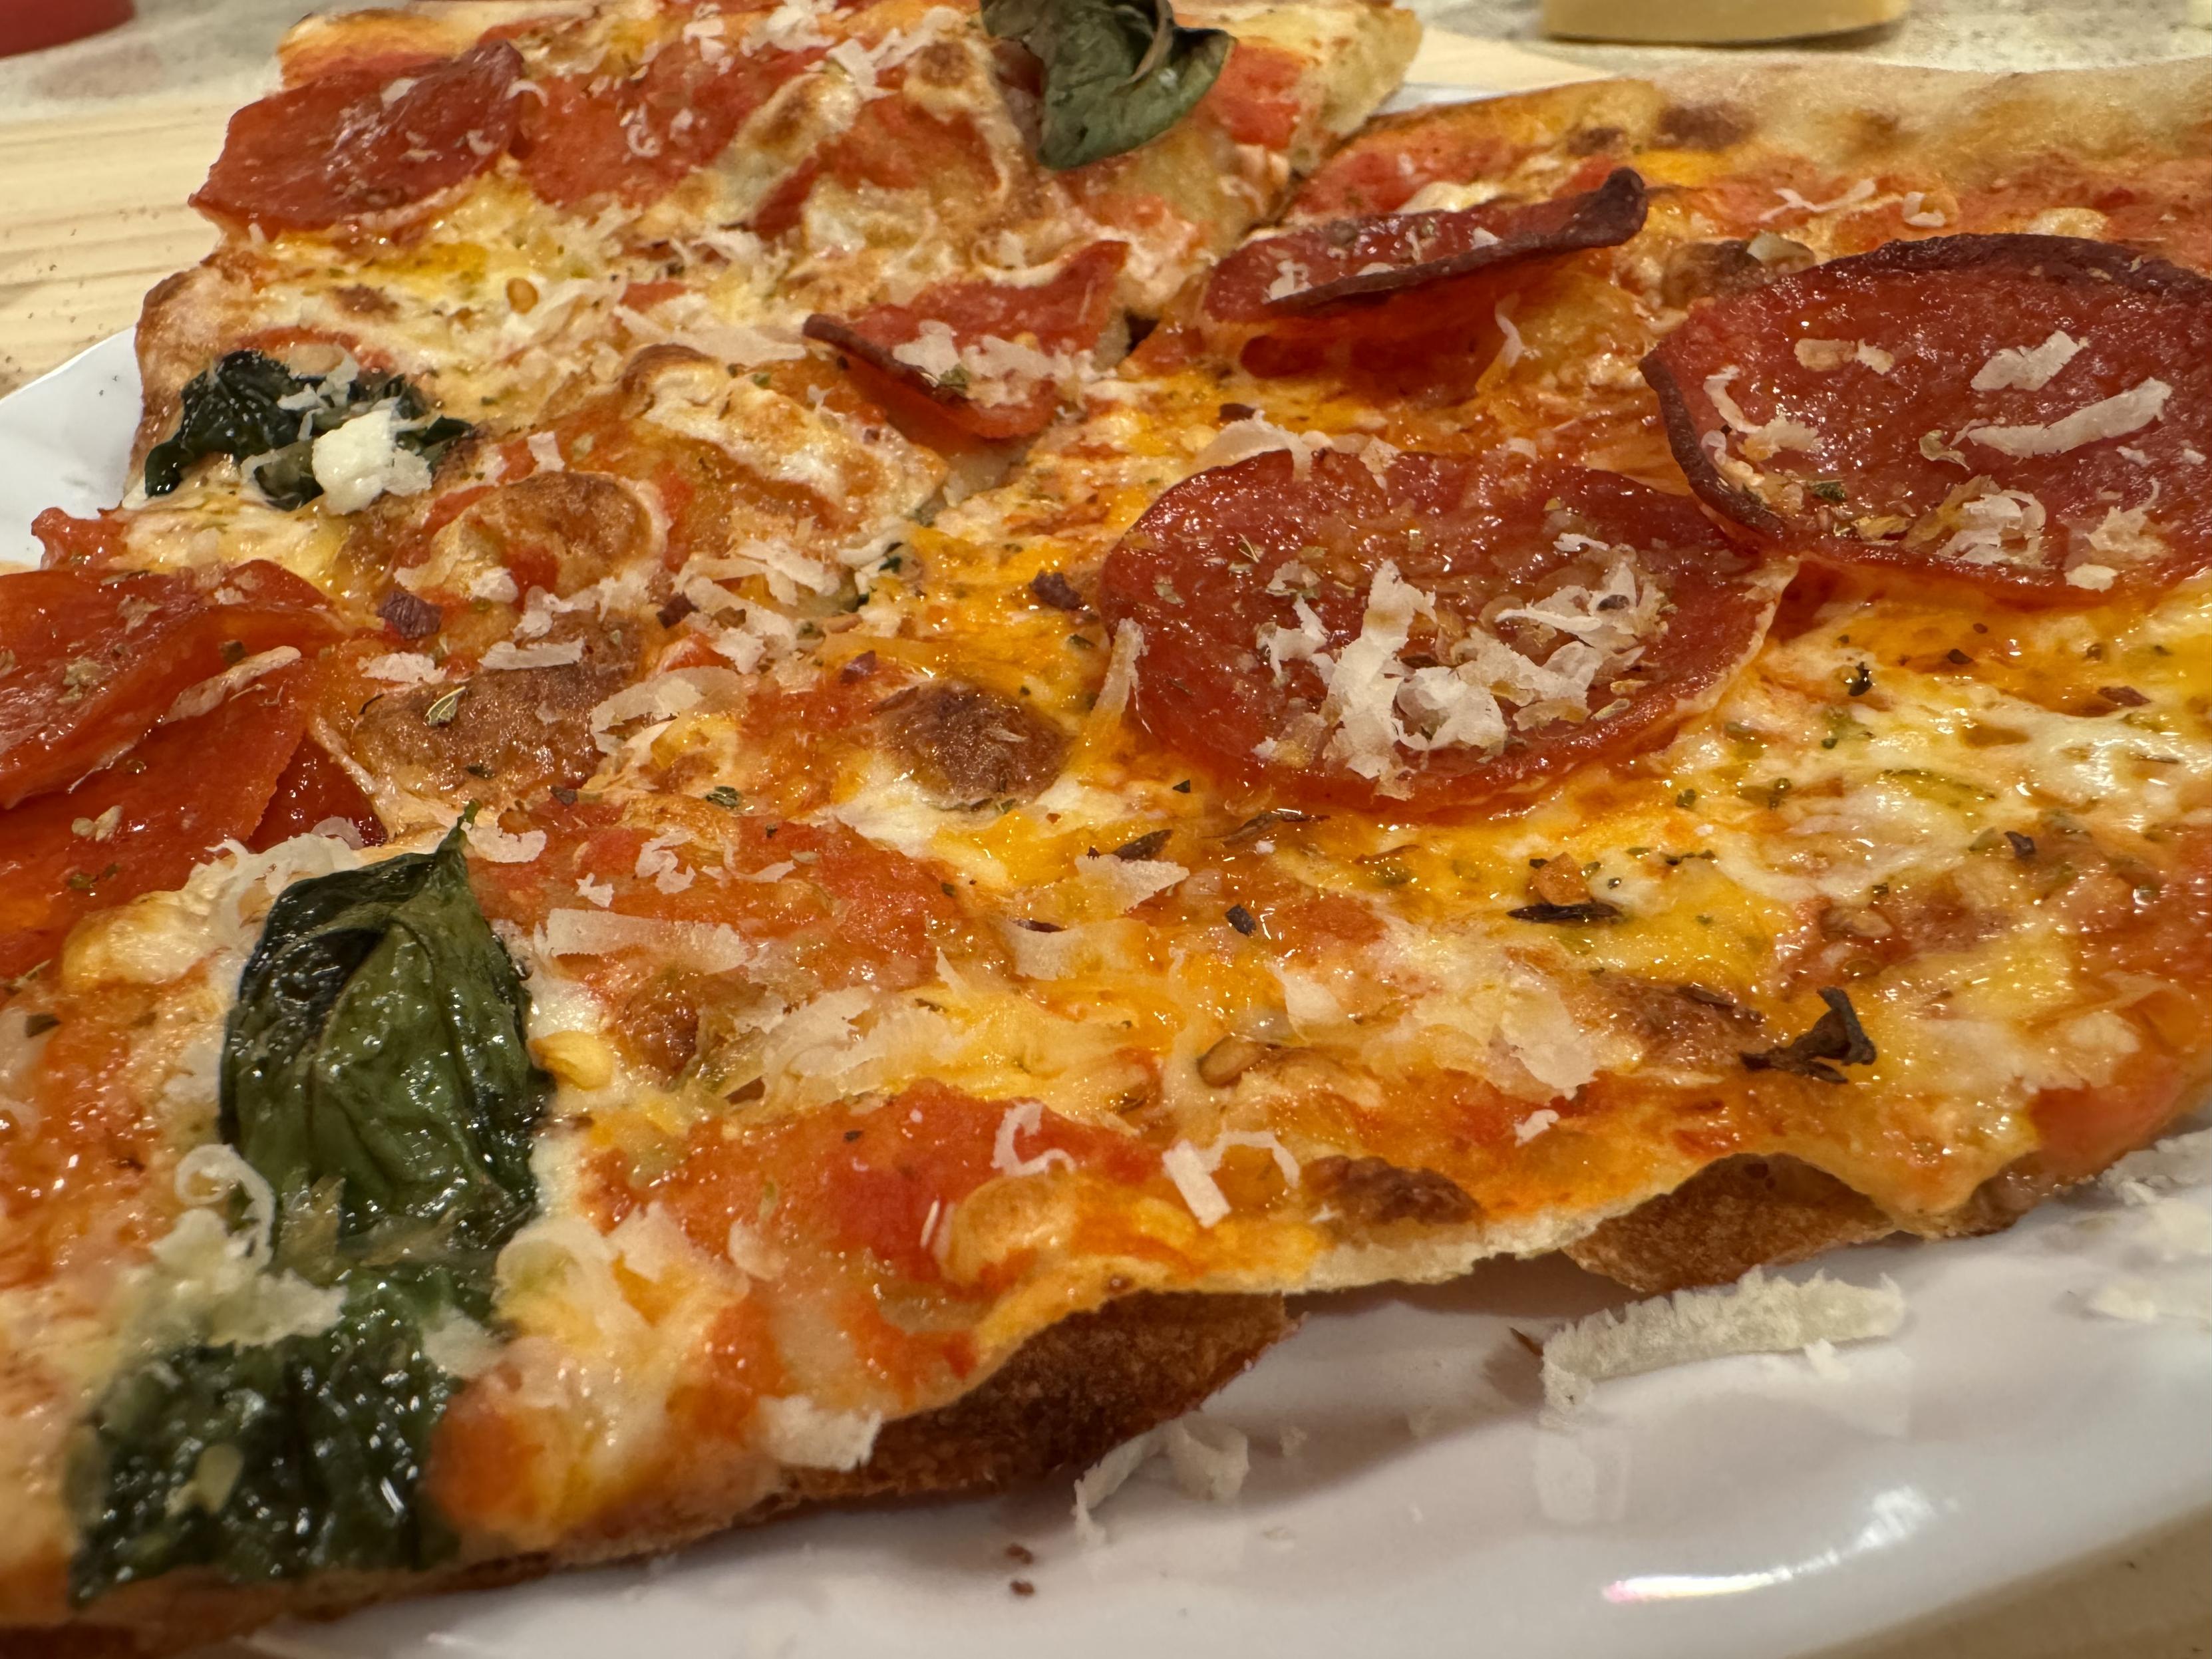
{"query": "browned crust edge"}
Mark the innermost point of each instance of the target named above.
(1066, 1397)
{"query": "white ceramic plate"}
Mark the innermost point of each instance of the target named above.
(1740, 1509)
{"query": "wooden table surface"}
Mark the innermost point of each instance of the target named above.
(94, 215)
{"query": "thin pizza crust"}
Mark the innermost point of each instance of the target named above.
(1734, 1215)
(1071, 1394)
(1982, 129)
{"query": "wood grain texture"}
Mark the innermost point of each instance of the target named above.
(94, 217)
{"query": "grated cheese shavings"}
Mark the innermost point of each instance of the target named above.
(1023, 1117)
(1194, 1178)
(2029, 368)
(1208, 1458)
(2115, 416)
(1756, 1315)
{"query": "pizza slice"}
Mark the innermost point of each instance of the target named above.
(1318, 822)
(1531, 255)
(458, 222)
(491, 205)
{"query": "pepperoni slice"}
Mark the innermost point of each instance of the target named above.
(140, 825)
(635, 138)
(1327, 265)
(895, 145)
(2032, 415)
(87, 667)
(364, 143)
(1423, 634)
(313, 790)
(86, 543)
(979, 321)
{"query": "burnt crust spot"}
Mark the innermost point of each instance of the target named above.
(1593, 141)
(1690, 1025)
(1701, 126)
(1720, 270)
(1051, 588)
(409, 616)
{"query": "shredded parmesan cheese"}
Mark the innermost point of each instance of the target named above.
(1515, 347)
(708, 947)
(1208, 1458)
(1756, 1315)
(1761, 439)
(403, 668)
(2110, 417)
(505, 654)
(2177, 1161)
(1793, 202)
(496, 846)
(1187, 1167)
(802, 1434)
(1021, 1118)
(2030, 369)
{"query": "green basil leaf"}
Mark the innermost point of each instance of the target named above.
(1117, 73)
(375, 1072)
(236, 407)
(302, 1456)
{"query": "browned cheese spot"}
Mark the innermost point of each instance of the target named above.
(966, 745)
(1373, 1193)
(1722, 270)
(511, 733)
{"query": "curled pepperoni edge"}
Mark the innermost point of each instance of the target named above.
(2036, 254)
(1511, 777)
(1010, 421)
(265, 135)
(1604, 217)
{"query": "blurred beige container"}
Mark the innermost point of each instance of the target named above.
(1713, 22)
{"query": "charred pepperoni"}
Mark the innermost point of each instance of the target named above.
(1421, 633)
(969, 350)
(2032, 415)
(364, 143)
(1346, 260)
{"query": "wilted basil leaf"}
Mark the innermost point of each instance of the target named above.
(1836, 1036)
(374, 1068)
(1117, 73)
(374, 1072)
(299, 1455)
(236, 407)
